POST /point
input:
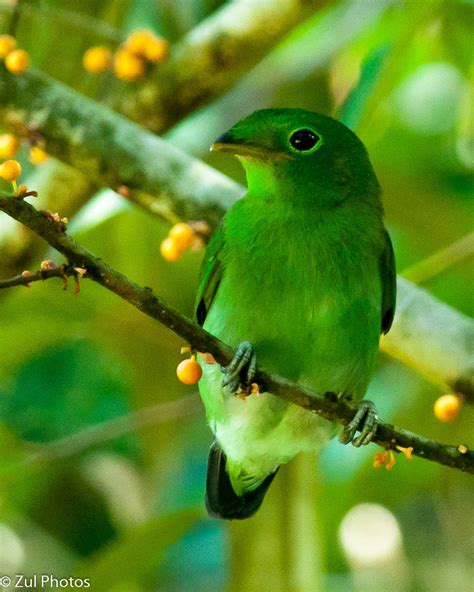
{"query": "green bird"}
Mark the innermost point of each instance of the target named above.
(301, 276)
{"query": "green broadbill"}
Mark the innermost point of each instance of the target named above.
(300, 276)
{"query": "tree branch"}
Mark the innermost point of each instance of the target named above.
(329, 407)
(433, 338)
(111, 150)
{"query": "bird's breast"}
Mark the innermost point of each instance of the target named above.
(306, 293)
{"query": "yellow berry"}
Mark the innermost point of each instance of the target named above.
(17, 61)
(7, 45)
(137, 42)
(128, 66)
(156, 50)
(9, 145)
(170, 250)
(447, 407)
(189, 371)
(10, 170)
(183, 235)
(97, 59)
(37, 155)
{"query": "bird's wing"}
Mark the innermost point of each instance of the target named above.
(389, 284)
(210, 274)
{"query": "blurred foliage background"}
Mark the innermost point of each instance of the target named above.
(122, 502)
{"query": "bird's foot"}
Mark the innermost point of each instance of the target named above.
(239, 373)
(365, 421)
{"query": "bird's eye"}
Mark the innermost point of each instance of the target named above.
(304, 140)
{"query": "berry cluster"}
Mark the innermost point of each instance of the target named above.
(180, 238)
(10, 169)
(10, 144)
(16, 60)
(131, 59)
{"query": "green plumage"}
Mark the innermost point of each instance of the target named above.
(302, 267)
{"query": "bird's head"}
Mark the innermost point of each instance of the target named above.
(288, 150)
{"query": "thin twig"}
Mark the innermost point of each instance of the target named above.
(26, 278)
(327, 406)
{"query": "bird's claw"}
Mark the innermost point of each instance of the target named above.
(365, 421)
(239, 373)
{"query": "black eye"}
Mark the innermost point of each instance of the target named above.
(303, 140)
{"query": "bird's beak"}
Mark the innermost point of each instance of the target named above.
(227, 142)
(223, 141)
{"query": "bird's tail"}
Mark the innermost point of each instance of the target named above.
(221, 499)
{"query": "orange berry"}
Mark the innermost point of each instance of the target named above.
(182, 234)
(137, 42)
(17, 61)
(156, 50)
(10, 170)
(447, 407)
(189, 371)
(7, 45)
(9, 145)
(170, 250)
(37, 155)
(128, 66)
(97, 59)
